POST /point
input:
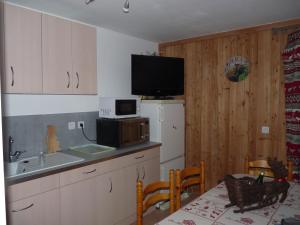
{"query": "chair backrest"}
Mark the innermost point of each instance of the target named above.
(189, 177)
(257, 166)
(151, 195)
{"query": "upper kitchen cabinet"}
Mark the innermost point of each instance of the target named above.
(69, 57)
(23, 65)
(84, 55)
(57, 58)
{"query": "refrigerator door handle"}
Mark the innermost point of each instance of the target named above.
(161, 115)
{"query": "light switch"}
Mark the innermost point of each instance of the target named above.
(265, 130)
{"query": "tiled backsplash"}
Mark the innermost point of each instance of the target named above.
(30, 132)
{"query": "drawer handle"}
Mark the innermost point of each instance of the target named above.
(138, 175)
(92, 171)
(19, 210)
(139, 157)
(12, 76)
(110, 190)
(68, 85)
(144, 173)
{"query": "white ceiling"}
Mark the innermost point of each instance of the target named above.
(167, 20)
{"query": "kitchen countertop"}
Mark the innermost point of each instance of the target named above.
(88, 160)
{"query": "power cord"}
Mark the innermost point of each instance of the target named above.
(86, 137)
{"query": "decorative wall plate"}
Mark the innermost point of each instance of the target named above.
(237, 68)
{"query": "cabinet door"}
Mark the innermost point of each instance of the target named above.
(150, 170)
(84, 56)
(104, 199)
(57, 61)
(132, 174)
(78, 203)
(110, 198)
(23, 67)
(147, 171)
(40, 209)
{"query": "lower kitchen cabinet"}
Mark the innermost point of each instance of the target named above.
(78, 203)
(98, 194)
(109, 198)
(147, 171)
(39, 209)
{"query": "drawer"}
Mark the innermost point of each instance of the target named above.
(96, 169)
(29, 188)
(85, 172)
(138, 157)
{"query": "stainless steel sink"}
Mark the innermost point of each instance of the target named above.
(92, 149)
(39, 163)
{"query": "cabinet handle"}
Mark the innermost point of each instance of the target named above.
(77, 80)
(68, 85)
(12, 76)
(18, 210)
(144, 173)
(139, 157)
(92, 171)
(138, 175)
(110, 190)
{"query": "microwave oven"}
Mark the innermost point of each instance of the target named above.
(122, 132)
(110, 107)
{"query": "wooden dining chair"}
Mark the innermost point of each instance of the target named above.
(191, 176)
(151, 195)
(261, 165)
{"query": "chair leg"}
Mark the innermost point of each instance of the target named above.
(172, 188)
(178, 189)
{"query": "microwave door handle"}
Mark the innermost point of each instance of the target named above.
(142, 130)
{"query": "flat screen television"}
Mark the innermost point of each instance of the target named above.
(157, 76)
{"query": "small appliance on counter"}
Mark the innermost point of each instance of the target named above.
(122, 132)
(111, 107)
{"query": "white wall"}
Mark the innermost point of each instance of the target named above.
(113, 77)
(114, 61)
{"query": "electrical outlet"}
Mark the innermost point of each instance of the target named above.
(71, 125)
(265, 130)
(79, 124)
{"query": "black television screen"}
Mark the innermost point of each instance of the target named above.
(157, 75)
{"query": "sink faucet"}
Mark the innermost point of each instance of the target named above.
(42, 159)
(12, 157)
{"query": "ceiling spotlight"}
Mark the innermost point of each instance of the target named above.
(88, 1)
(126, 7)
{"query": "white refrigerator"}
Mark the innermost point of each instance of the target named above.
(167, 127)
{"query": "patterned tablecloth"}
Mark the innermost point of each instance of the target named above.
(209, 209)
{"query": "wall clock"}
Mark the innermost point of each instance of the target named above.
(237, 68)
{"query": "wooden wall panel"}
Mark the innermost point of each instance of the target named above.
(223, 118)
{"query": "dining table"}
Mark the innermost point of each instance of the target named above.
(209, 209)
